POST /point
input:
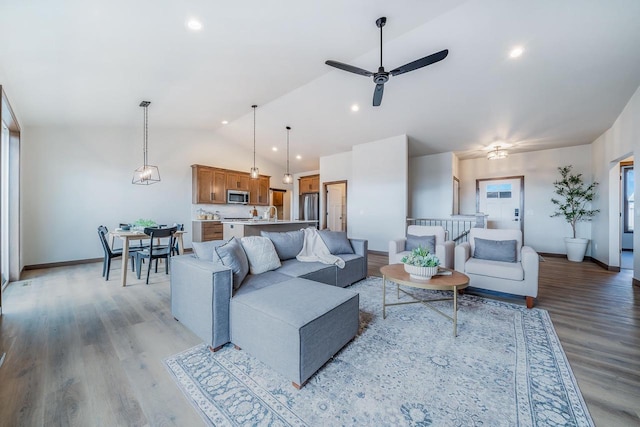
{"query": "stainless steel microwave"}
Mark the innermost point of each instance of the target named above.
(238, 197)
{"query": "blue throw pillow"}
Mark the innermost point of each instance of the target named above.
(232, 255)
(336, 241)
(496, 250)
(288, 244)
(426, 242)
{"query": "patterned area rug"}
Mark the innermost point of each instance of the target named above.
(505, 368)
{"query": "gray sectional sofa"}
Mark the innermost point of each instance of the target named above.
(294, 317)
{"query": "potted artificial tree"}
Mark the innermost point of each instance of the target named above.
(573, 203)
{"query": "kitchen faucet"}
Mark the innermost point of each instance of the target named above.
(275, 218)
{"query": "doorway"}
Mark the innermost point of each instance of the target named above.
(627, 198)
(502, 201)
(336, 205)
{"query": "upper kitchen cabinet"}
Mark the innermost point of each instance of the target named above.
(209, 185)
(259, 191)
(237, 181)
(310, 184)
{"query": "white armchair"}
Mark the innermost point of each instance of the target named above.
(443, 248)
(519, 277)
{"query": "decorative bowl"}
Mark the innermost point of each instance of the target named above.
(420, 273)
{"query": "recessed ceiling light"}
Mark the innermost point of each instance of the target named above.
(355, 107)
(225, 122)
(194, 24)
(516, 52)
(298, 157)
(274, 148)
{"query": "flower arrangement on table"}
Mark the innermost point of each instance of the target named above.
(420, 263)
(141, 224)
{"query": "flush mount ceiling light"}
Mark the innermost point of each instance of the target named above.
(194, 24)
(497, 154)
(516, 52)
(146, 174)
(254, 170)
(287, 178)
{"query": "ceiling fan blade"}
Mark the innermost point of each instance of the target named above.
(377, 94)
(349, 68)
(419, 63)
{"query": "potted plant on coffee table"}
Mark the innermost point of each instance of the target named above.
(420, 264)
(573, 203)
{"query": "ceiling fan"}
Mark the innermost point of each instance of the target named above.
(382, 76)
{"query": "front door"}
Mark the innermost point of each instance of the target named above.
(336, 206)
(502, 200)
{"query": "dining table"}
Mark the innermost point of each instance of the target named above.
(127, 236)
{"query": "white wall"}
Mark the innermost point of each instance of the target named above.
(540, 170)
(431, 186)
(333, 168)
(75, 179)
(619, 142)
(378, 191)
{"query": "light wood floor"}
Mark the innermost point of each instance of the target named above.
(82, 351)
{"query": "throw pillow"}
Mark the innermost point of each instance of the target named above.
(232, 255)
(288, 244)
(261, 254)
(427, 242)
(336, 241)
(495, 250)
(205, 250)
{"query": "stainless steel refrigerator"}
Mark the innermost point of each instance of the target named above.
(309, 206)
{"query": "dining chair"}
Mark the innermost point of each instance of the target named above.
(174, 248)
(109, 253)
(156, 250)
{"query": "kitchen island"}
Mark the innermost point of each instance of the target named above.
(240, 229)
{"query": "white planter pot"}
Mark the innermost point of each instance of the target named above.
(576, 248)
(420, 273)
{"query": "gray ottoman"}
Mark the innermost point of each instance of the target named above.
(294, 326)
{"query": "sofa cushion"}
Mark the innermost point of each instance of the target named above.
(253, 282)
(261, 254)
(288, 244)
(336, 241)
(499, 269)
(232, 255)
(496, 250)
(206, 250)
(295, 268)
(426, 242)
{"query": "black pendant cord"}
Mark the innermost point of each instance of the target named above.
(254, 135)
(146, 136)
(288, 129)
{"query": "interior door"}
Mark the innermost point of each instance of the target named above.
(336, 206)
(502, 200)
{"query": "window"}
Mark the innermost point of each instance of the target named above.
(628, 186)
(498, 191)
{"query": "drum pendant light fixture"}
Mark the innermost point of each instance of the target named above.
(146, 174)
(254, 170)
(287, 178)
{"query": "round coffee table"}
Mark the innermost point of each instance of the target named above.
(449, 282)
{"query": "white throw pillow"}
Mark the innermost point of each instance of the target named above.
(261, 254)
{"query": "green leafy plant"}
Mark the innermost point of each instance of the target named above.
(574, 198)
(145, 223)
(420, 257)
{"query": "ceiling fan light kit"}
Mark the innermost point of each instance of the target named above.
(146, 174)
(381, 76)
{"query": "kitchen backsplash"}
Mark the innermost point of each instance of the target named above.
(226, 211)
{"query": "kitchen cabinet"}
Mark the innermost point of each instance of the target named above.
(310, 184)
(209, 185)
(259, 191)
(237, 181)
(204, 231)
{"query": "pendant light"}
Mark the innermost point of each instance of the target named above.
(287, 178)
(146, 174)
(254, 170)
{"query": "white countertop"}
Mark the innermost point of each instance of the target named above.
(265, 222)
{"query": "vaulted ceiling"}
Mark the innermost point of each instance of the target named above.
(90, 63)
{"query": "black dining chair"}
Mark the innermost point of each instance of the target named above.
(174, 248)
(156, 250)
(109, 253)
